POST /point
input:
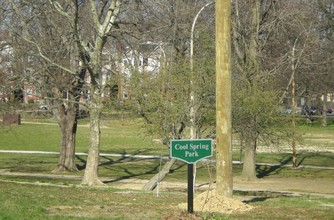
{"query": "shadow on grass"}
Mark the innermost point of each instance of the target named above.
(318, 158)
(124, 158)
(148, 170)
(266, 170)
(131, 174)
(260, 196)
(306, 158)
(83, 165)
(177, 168)
(256, 199)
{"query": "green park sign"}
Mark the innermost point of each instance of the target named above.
(191, 151)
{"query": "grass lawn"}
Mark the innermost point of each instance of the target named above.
(115, 137)
(68, 200)
(52, 202)
(130, 137)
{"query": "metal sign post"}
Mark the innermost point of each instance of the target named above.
(190, 188)
(191, 151)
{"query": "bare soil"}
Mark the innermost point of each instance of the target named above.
(206, 198)
(293, 185)
(321, 187)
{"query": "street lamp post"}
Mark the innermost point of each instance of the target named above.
(192, 167)
(293, 105)
(192, 93)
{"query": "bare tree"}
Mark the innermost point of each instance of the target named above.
(45, 58)
(89, 25)
(103, 16)
(326, 32)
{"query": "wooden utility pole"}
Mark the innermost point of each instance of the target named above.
(224, 178)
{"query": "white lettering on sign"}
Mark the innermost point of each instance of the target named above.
(181, 147)
(191, 154)
(191, 151)
(199, 146)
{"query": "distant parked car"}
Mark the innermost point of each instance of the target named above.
(286, 111)
(43, 107)
(313, 110)
(329, 111)
(309, 111)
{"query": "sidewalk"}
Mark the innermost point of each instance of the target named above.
(265, 186)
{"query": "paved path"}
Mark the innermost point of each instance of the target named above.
(139, 156)
(289, 186)
(265, 187)
(85, 154)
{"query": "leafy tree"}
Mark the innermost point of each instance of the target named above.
(255, 102)
(162, 98)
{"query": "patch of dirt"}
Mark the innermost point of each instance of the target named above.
(210, 201)
(316, 186)
(283, 186)
(182, 216)
(77, 211)
(94, 211)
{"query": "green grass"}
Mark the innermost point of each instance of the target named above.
(30, 137)
(129, 137)
(22, 201)
(44, 202)
(50, 202)
(115, 168)
(289, 208)
(115, 137)
(324, 159)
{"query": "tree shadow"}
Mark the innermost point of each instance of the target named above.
(178, 167)
(131, 174)
(266, 170)
(255, 199)
(260, 196)
(124, 158)
(315, 154)
(83, 161)
(149, 171)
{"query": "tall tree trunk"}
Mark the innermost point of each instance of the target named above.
(91, 172)
(249, 162)
(68, 122)
(66, 162)
(153, 182)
